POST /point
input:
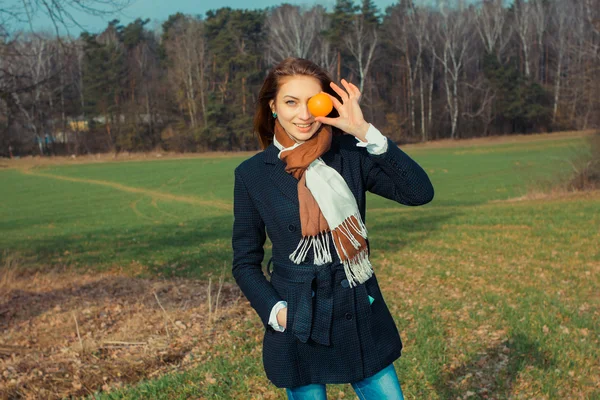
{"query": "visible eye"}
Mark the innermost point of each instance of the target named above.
(290, 101)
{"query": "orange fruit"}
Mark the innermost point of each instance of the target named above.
(320, 105)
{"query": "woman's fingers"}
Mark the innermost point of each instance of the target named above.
(339, 91)
(356, 90)
(351, 90)
(327, 121)
(348, 88)
(335, 101)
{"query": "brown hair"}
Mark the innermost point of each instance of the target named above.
(264, 123)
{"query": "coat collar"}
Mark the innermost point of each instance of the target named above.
(286, 182)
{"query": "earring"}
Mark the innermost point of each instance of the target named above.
(274, 114)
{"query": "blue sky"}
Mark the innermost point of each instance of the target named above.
(159, 10)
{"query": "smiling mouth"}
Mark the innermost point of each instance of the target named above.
(304, 125)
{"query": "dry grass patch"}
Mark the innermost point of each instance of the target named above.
(506, 139)
(38, 161)
(65, 334)
(554, 194)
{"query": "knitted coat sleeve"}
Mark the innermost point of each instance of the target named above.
(247, 241)
(396, 176)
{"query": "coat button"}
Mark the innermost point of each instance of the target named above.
(348, 316)
(291, 228)
(345, 283)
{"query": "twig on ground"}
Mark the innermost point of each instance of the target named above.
(221, 281)
(114, 343)
(167, 319)
(78, 335)
(209, 301)
(6, 350)
(212, 315)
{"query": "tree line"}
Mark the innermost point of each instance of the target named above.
(449, 70)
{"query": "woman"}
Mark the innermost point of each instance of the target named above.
(324, 315)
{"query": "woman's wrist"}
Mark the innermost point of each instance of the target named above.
(361, 131)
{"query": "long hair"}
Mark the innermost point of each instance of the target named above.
(264, 123)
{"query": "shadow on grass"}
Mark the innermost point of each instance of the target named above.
(197, 248)
(494, 371)
(393, 230)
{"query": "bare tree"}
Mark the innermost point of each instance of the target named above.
(592, 15)
(491, 25)
(523, 25)
(454, 33)
(13, 82)
(36, 65)
(362, 41)
(409, 28)
(539, 21)
(293, 31)
(582, 63)
(399, 26)
(324, 53)
(187, 51)
(561, 17)
(60, 12)
(419, 23)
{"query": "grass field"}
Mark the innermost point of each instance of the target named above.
(494, 297)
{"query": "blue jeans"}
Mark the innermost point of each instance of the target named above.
(384, 385)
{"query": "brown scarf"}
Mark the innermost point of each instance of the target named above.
(350, 236)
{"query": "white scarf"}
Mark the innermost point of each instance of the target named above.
(337, 203)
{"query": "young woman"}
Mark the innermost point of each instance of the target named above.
(325, 317)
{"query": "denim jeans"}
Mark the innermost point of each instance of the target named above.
(384, 385)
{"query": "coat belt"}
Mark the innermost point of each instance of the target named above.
(311, 319)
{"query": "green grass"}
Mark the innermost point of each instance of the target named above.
(493, 299)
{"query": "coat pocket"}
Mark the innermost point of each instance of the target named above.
(384, 332)
(374, 296)
(287, 290)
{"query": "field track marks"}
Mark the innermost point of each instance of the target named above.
(219, 204)
(137, 212)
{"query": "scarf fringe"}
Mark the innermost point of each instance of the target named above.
(348, 227)
(320, 246)
(358, 269)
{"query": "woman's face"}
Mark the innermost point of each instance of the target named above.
(290, 104)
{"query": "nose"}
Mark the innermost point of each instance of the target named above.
(304, 113)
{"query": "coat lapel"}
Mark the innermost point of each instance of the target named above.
(282, 180)
(286, 182)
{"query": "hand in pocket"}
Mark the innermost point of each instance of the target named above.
(282, 317)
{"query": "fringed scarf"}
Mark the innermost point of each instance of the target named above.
(326, 205)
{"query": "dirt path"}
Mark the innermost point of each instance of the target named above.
(155, 195)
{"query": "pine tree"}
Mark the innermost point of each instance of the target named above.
(341, 23)
(103, 79)
(370, 12)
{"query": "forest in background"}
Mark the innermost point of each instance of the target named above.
(456, 70)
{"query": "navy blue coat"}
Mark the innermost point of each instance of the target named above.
(333, 334)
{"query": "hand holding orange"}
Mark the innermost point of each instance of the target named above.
(320, 105)
(351, 119)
